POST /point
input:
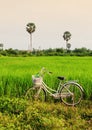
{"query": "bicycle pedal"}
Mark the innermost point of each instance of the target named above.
(56, 96)
(51, 95)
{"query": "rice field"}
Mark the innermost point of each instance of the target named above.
(16, 72)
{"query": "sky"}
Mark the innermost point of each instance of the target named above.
(51, 17)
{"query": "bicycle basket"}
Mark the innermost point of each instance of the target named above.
(36, 80)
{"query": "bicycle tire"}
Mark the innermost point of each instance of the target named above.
(76, 93)
(31, 94)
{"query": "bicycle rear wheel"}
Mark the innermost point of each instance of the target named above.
(36, 94)
(71, 93)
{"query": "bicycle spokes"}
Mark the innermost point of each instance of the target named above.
(71, 94)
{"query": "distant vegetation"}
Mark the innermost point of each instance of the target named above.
(47, 52)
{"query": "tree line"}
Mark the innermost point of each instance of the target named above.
(47, 52)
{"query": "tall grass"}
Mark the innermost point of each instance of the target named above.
(16, 72)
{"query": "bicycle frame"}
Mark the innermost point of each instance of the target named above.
(48, 89)
(56, 93)
(52, 92)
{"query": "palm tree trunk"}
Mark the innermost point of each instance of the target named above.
(30, 44)
(66, 45)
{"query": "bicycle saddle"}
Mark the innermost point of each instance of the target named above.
(61, 77)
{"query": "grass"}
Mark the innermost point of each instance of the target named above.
(16, 72)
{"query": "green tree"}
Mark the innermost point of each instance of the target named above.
(68, 46)
(67, 37)
(30, 28)
(1, 46)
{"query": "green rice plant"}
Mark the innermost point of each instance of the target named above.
(16, 72)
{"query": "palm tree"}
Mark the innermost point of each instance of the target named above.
(67, 37)
(68, 46)
(30, 28)
(1, 46)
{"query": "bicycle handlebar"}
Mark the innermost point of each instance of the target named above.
(43, 71)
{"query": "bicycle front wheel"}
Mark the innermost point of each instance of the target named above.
(36, 94)
(71, 93)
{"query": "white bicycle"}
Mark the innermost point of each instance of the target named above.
(70, 92)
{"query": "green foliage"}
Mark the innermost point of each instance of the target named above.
(30, 27)
(67, 35)
(13, 105)
(19, 114)
(48, 52)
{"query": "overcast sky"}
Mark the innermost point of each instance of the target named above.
(51, 17)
